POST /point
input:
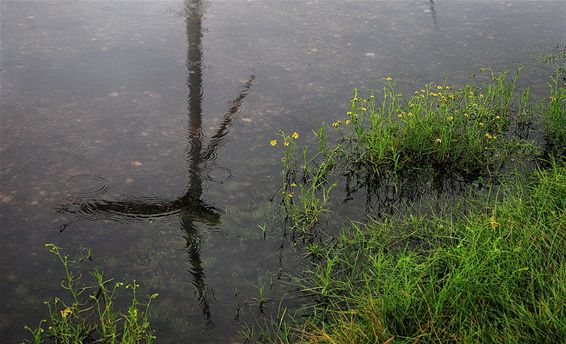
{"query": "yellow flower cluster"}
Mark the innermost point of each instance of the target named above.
(339, 122)
(66, 312)
(286, 139)
(403, 114)
(494, 224)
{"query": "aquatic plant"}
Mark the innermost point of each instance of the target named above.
(441, 130)
(305, 190)
(463, 130)
(88, 313)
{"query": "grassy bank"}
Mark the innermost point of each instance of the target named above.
(493, 274)
(491, 270)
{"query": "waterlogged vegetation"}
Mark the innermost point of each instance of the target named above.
(473, 132)
(488, 268)
(91, 313)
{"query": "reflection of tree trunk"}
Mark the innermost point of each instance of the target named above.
(194, 14)
(189, 206)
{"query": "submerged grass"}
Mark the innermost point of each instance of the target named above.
(495, 274)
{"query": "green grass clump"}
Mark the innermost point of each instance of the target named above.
(463, 130)
(495, 274)
(554, 118)
(89, 313)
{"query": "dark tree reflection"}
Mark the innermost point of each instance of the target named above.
(191, 208)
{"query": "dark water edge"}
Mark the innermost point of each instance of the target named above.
(114, 104)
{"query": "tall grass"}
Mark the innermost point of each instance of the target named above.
(464, 130)
(495, 274)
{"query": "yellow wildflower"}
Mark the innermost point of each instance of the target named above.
(450, 118)
(336, 124)
(434, 94)
(293, 185)
(349, 113)
(347, 122)
(388, 78)
(295, 135)
(438, 87)
(273, 142)
(494, 224)
(364, 109)
(65, 312)
(437, 140)
(285, 143)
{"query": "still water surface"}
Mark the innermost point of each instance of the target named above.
(141, 130)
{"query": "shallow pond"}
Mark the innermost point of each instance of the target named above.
(141, 129)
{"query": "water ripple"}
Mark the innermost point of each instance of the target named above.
(87, 185)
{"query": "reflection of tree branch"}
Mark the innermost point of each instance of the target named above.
(217, 139)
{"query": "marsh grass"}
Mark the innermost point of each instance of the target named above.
(89, 313)
(470, 133)
(464, 130)
(494, 274)
(489, 270)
